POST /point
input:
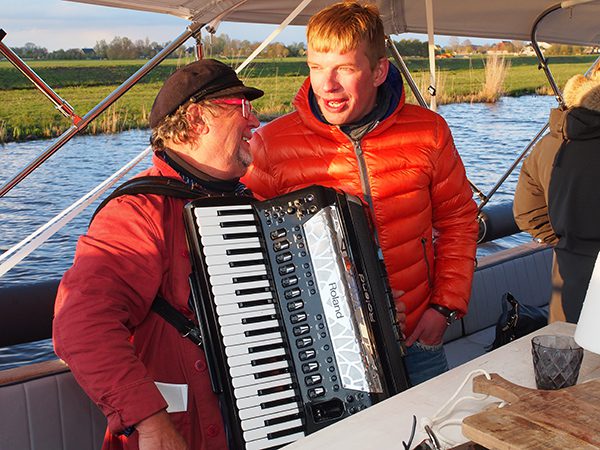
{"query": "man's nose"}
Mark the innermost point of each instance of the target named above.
(253, 121)
(330, 82)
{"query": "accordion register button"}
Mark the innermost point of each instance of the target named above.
(316, 392)
(283, 257)
(294, 306)
(300, 330)
(304, 342)
(281, 245)
(305, 355)
(311, 380)
(276, 234)
(298, 317)
(310, 367)
(292, 293)
(289, 281)
(288, 268)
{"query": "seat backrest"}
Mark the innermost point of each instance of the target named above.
(43, 408)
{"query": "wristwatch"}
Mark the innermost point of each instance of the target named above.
(448, 313)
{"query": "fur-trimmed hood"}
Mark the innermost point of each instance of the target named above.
(583, 92)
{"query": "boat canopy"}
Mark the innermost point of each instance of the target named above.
(496, 19)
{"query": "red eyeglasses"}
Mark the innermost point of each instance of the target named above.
(246, 105)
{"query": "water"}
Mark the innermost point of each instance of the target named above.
(488, 138)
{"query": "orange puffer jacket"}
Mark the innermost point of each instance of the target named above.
(424, 211)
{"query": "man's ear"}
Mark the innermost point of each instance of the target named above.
(195, 118)
(381, 71)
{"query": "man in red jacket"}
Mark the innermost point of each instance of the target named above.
(352, 130)
(150, 382)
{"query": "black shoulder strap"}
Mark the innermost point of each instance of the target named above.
(152, 185)
(172, 188)
(185, 326)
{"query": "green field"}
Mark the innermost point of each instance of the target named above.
(25, 113)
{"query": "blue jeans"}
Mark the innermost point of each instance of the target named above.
(424, 362)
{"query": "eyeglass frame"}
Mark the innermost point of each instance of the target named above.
(246, 105)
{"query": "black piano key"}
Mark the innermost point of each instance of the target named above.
(271, 373)
(282, 433)
(242, 251)
(273, 390)
(261, 331)
(228, 236)
(249, 279)
(258, 319)
(279, 402)
(234, 212)
(241, 223)
(282, 419)
(252, 303)
(249, 291)
(249, 262)
(269, 360)
(264, 348)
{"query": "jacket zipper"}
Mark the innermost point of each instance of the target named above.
(424, 245)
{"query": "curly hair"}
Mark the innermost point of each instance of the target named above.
(176, 127)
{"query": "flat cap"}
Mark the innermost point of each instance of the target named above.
(200, 80)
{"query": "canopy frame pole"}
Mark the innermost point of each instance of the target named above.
(557, 93)
(431, 47)
(62, 105)
(190, 31)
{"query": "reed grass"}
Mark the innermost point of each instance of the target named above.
(495, 72)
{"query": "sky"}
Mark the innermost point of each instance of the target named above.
(59, 24)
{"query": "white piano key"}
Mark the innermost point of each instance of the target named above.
(213, 211)
(248, 369)
(249, 380)
(208, 241)
(261, 433)
(236, 319)
(216, 230)
(234, 308)
(252, 391)
(227, 279)
(217, 220)
(231, 245)
(234, 298)
(231, 288)
(268, 443)
(243, 349)
(236, 339)
(218, 265)
(257, 411)
(250, 402)
(245, 360)
(258, 422)
(242, 328)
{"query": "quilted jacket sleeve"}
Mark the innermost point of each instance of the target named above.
(455, 225)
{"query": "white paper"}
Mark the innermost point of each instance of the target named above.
(176, 396)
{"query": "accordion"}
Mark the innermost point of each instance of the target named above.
(296, 314)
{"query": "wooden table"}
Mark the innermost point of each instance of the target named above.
(387, 424)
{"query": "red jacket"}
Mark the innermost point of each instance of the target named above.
(417, 183)
(115, 346)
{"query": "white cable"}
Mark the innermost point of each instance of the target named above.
(436, 423)
(18, 252)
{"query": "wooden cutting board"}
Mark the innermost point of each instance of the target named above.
(564, 419)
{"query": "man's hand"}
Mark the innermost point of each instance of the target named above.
(400, 309)
(430, 329)
(157, 432)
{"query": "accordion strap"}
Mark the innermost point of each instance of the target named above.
(185, 326)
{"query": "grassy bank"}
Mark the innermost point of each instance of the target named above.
(25, 113)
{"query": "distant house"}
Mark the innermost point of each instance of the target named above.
(529, 51)
(89, 53)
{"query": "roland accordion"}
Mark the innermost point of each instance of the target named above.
(297, 318)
